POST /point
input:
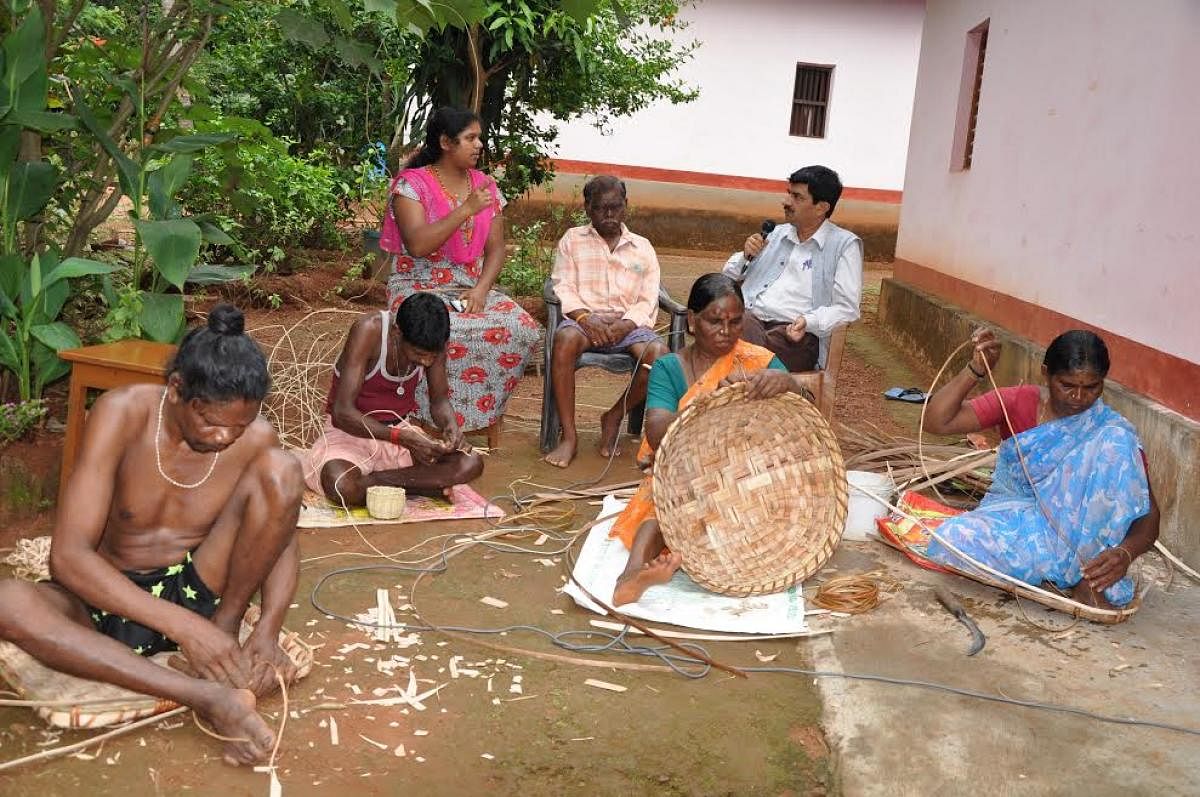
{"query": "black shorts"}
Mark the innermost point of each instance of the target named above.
(180, 584)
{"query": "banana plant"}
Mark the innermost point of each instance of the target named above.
(168, 244)
(34, 289)
(31, 297)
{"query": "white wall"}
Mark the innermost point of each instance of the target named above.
(745, 69)
(1084, 191)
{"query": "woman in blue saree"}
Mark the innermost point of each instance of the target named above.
(1079, 509)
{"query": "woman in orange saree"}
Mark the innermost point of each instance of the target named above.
(715, 357)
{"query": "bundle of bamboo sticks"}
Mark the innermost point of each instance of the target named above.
(913, 466)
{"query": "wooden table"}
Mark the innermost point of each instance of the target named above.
(104, 367)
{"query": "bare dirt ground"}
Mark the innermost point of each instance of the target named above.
(666, 735)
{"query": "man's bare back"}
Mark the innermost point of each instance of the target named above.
(187, 482)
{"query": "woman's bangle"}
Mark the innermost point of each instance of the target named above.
(1125, 551)
(971, 368)
(581, 316)
(394, 435)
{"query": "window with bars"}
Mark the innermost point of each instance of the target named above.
(968, 97)
(810, 100)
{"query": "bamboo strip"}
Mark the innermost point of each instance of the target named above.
(611, 626)
(58, 752)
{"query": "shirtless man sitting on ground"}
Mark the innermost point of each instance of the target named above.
(181, 507)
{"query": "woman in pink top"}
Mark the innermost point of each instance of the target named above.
(1073, 507)
(445, 230)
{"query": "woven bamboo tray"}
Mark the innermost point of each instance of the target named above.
(752, 494)
(79, 703)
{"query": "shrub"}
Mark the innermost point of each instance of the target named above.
(528, 261)
(18, 417)
(270, 197)
(530, 258)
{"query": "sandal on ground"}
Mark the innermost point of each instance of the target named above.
(912, 395)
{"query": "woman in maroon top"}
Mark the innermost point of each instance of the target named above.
(367, 439)
(1075, 366)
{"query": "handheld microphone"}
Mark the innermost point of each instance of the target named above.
(767, 227)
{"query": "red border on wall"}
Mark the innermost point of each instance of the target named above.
(1167, 379)
(711, 180)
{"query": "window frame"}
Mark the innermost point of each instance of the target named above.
(822, 105)
(970, 91)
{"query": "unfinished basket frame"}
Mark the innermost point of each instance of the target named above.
(752, 494)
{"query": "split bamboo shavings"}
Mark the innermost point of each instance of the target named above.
(605, 685)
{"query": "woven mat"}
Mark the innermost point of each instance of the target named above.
(912, 540)
(317, 512)
(90, 704)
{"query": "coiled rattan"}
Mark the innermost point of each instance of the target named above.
(752, 493)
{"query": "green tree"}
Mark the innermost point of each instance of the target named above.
(526, 58)
(515, 62)
(331, 91)
(126, 60)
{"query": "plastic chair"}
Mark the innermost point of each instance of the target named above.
(613, 363)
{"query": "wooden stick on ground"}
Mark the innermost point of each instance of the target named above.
(58, 752)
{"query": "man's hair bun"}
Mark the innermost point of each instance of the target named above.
(225, 319)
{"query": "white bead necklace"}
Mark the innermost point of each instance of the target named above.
(158, 454)
(400, 391)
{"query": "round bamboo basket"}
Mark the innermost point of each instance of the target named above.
(752, 494)
(385, 503)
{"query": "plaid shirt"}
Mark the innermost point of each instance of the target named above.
(587, 276)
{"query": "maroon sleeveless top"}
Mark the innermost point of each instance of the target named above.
(384, 397)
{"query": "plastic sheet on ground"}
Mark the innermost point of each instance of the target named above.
(680, 602)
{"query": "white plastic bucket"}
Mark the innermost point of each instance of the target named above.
(862, 507)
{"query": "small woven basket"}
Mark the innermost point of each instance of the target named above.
(385, 503)
(752, 494)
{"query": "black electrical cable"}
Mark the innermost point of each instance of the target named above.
(689, 668)
(696, 669)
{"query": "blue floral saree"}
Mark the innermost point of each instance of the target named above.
(1090, 477)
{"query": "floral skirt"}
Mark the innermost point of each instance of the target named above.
(485, 357)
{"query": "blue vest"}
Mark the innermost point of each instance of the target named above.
(765, 269)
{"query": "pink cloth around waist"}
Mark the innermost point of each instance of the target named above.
(364, 453)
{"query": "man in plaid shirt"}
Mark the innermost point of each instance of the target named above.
(607, 280)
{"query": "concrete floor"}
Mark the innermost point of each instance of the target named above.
(898, 740)
(901, 740)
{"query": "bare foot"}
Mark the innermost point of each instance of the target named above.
(1084, 593)
(561, 456)
(630, 586)
(232, 714)
(610, 433)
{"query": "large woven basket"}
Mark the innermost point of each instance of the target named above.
(752, 494)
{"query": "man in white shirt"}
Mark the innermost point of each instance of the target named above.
(804, 280)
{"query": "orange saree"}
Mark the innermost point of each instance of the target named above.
(744, 357)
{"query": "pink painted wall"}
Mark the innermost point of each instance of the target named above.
(745, 69)
(1084, 191)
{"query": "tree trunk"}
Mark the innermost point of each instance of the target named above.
(478, 77)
